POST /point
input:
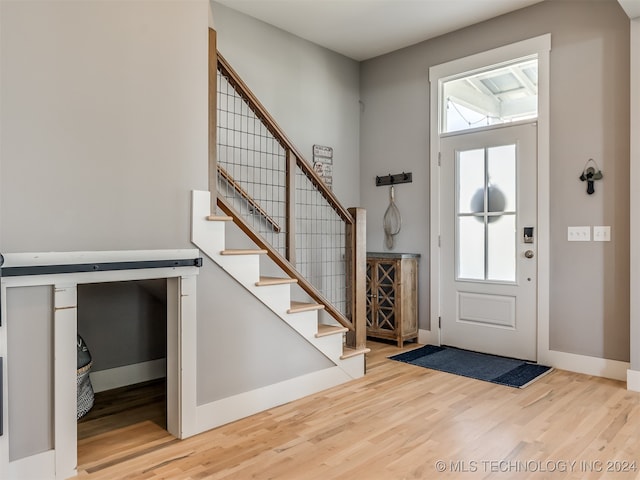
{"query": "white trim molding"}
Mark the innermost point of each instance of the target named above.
(634, 201)
(242, 405)
(39, 466)
(633, 380)
(598, 367)
(429, 337)
(128, 375)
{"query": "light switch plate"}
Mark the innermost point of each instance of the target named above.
(579, 234)
(602, 234)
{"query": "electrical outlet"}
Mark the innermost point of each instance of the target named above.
(602, 234)
(579, 234)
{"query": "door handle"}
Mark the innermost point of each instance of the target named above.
(529, 254)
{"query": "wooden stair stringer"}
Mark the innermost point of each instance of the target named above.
(208, 234)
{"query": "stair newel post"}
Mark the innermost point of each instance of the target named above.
(213, 119)
(356, 262)
(291, 207)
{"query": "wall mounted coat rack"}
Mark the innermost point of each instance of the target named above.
(394, 179)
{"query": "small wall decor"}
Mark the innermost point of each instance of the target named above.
(392, 221)
(590, 173)
(323, 163)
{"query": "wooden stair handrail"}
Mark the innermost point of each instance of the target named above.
(283, 263)
(262, 113)
(249, 199)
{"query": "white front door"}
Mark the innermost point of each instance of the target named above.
(488, 240)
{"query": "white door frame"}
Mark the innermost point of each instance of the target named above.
(538, 45)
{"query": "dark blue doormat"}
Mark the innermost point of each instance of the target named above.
(481, 366)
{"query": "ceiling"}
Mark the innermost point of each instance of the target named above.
(631, 7)
(362, 29)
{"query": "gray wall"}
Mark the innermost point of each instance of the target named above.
(311, 92)
(123, 323)
(104, 128)
(104, 123)
(589, 298)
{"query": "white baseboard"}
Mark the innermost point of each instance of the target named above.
(633, 380)
(128, 375)
(599, 367)
(429, 337)
(41, 466)
(239, 406)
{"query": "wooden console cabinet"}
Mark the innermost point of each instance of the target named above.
(392, 296)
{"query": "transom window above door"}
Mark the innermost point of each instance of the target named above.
(499, 94)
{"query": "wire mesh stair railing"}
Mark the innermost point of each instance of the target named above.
(279, 201)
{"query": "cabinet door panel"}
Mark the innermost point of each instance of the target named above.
(369, 295)
(391, 298)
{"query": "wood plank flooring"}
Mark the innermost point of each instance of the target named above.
(398, 422)
(125, 406)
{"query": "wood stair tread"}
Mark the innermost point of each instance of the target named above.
(219, 218)
(324, 330)
(264, 281)
(348, 352)
(257, 251)
(297, 307)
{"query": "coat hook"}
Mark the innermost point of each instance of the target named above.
(391, 179)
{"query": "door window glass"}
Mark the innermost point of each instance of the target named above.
(486, 214)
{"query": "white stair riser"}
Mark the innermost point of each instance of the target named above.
(217, 234)
(330, 345)
(244, 268)
(209, 236)
(353, 366)
(276, 297)
(305, 323)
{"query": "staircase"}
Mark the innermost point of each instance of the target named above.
(208, 234)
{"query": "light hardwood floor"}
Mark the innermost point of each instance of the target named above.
(398, 422)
